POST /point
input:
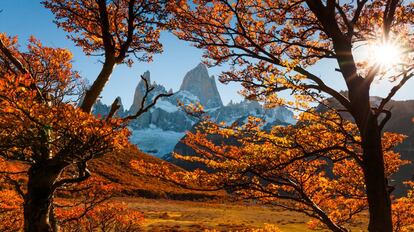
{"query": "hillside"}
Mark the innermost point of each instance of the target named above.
(401, 122)
(116, 168)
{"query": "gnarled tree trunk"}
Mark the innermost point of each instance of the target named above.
(39, 197)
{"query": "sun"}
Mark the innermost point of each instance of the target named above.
(387, 55)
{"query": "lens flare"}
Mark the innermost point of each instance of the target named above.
(385, 54)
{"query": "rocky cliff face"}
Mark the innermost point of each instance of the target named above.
(102, 110)
(237, 111)
(198, 82)
(139, 93)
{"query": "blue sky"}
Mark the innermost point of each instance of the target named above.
(28, 17)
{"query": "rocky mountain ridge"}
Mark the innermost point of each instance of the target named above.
(159, 130)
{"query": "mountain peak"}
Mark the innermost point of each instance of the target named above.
(201, 66)
(139, 92)
(198, 82)
(146, 76)
(121, 106)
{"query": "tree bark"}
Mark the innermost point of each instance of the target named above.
(39, 197)
(93, 92)
(379, 202)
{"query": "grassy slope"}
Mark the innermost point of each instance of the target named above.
(116, 167)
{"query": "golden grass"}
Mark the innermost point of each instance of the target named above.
(169, 215)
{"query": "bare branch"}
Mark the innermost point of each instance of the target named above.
(83, 174)
(114, 108)
(144, 108)
(384, 121)
(394, 90)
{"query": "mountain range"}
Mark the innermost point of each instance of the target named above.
(158, 131)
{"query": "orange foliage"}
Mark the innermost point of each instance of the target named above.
(119, 27)
(35, 99)
(11, 213)
(111, 216)
(87, 207)
(403, 213)
(45, 140)
(312, 167)
(270, 46)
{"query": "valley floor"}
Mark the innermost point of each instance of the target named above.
(169, 215)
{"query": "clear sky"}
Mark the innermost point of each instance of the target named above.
(28, 17)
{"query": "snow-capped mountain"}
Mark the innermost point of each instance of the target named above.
(198, 83)
(159, 130)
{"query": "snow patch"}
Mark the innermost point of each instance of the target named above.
(167, 106)
(185, 95)
(156, 141)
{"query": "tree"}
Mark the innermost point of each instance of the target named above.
(114, 29)
(271, 44)
(48, 134)
(403, 214)
(52, 134)
(312, 167)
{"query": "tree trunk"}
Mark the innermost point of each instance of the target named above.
(93, 92)
(39, 197)
(379, 201)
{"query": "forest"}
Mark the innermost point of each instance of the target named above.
(338, 165)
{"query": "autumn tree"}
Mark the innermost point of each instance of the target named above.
(42, 131)
(115, 29)
(270, 46)
(51, 133)
(78, 207)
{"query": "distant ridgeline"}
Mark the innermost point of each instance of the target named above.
(401, 122)
(158, 131)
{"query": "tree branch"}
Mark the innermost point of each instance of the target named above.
(394, 90)
(144, 108)
(83, 174)
(389, 14)
(114, 108)
(12, 58)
